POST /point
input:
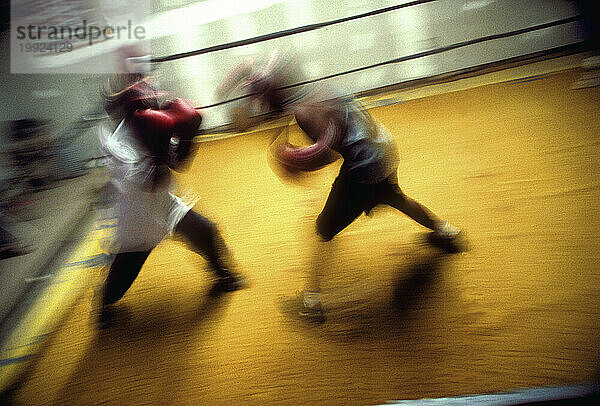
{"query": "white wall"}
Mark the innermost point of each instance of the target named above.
(365, 41)
(325, 51)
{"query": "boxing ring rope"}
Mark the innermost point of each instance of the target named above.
(315, 26)
(418, 55)
(285, 33)
(209, 134)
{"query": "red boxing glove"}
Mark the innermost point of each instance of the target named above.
(185, 117)
(178, 116)
(309, 158)
(156, 127)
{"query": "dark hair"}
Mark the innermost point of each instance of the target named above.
(127, 93)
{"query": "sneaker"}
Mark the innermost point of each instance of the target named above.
(311, 308)
(229, 282)
(294, 308)
(312, 313)
(448, 238)
(446, 231)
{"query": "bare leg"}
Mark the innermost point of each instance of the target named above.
(420, 213)
(414, 210)
(323, 253)
(340, 211)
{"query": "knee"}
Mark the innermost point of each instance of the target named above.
(194, 224)
(397, 198)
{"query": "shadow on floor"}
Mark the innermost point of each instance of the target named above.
(391, 307)
(143, 344)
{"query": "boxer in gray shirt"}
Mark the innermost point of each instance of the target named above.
(338, 126)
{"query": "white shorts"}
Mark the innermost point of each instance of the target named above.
(146, 218)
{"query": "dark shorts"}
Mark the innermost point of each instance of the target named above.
(348, 200)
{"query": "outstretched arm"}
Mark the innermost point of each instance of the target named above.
(240, 74)
(239, 112)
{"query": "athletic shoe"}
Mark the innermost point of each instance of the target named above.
(293, 307)
(229, 282)
(448, 238)
(446, 230)
(311, 307)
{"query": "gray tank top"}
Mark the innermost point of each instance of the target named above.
(369, 152)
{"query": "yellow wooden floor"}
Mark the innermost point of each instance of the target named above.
(514, 163)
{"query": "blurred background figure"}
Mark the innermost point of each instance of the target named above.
(27, 156)
(590, 66)
(30, 154)
(9, 245)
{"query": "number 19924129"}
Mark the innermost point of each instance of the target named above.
(43, 47)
